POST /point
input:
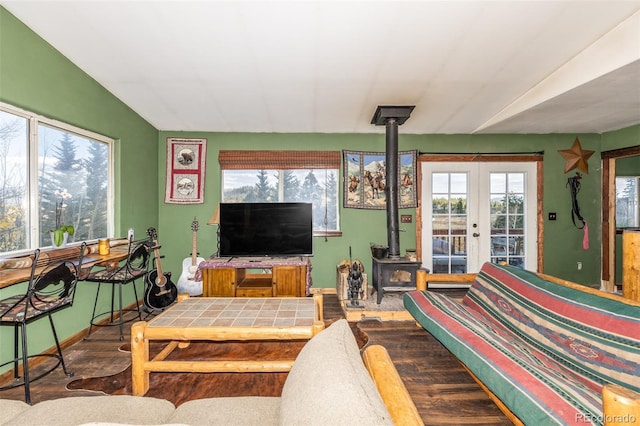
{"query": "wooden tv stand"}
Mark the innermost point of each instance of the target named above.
(234, 277)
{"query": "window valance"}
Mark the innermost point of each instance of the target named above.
(282, 160)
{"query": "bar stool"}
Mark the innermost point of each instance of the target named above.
(134, 267)
(50, 290)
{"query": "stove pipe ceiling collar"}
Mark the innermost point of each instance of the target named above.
(384, 113)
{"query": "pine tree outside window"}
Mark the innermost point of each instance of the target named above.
(285, 176)
(40, 158)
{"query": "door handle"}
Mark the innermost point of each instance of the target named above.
(475, 234)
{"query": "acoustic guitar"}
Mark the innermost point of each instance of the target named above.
(187, 282)
(160, 291)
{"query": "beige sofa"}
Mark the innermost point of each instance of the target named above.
(330, 383)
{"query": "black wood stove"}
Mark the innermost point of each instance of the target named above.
(393, 275)
(392, 271)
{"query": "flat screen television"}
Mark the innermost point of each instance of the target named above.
(266, 229)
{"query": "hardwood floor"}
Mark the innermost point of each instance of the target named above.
(441, 389)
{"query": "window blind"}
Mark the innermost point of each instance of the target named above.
(282, 160)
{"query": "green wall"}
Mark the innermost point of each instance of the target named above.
(629, 136)
(36, 77)
(628, 166)
(563, 242)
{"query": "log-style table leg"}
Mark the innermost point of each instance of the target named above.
(318, 323)
(139, 357)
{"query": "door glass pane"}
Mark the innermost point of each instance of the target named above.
(516, 183)
(507, 218)
(458, 183)
(498, 183)
(498, 224)
(459, 204)
(498, 204)
(440, 183)
(450, 218)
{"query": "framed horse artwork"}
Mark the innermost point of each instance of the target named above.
(365, 179)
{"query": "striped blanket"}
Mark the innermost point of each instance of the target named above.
(544, 349)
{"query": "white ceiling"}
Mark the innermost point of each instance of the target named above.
(569, 66)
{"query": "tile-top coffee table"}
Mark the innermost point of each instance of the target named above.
(219, 319)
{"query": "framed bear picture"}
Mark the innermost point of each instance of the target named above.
(185, 171)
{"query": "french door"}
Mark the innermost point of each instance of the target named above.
(474, 212)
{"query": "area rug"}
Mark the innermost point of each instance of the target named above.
(181, 387)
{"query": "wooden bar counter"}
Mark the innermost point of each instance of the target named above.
(14, 270)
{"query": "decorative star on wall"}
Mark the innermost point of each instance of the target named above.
(576, 157)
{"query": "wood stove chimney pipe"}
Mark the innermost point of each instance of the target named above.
(392, 117)
(393, 229)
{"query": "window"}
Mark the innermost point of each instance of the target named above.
(51, 174)
(285, 176)
(628, 202)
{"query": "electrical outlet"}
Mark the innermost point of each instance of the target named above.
(552, 215)
(406, 218)
(579, 265)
